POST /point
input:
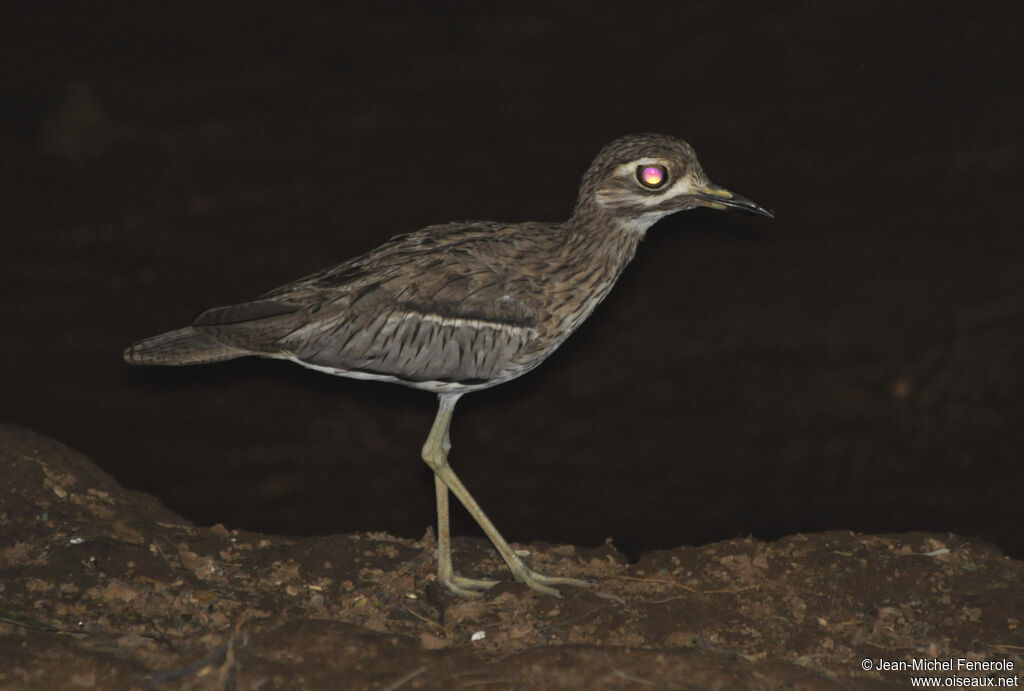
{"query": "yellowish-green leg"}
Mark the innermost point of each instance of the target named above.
(460, 585)
(435, 454)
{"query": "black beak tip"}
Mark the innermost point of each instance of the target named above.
(741, 203)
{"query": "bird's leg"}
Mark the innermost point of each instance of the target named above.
(445, 570)
(435, 454)
(440, 444)
(460, 585)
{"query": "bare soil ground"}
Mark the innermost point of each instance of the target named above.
(104, 588)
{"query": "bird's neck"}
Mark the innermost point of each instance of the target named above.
(606, 238)
(595, 252)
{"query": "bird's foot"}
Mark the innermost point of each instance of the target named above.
(543, 583)
(466, 587)
(476, 587)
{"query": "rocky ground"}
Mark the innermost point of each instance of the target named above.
(104, 588)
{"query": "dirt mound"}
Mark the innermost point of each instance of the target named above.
(105, 588)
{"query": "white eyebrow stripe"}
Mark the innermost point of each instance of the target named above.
(640, 162)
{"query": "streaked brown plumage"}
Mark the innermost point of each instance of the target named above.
(463, 306)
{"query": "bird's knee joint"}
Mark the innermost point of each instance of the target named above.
(434, 457)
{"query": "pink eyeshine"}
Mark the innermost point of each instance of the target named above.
(652, 175)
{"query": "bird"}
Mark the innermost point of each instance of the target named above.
(461, 307)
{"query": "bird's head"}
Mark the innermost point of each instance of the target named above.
(641, 178)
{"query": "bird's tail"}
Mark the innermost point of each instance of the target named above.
(182, 347)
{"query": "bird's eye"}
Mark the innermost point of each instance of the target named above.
(652, 177)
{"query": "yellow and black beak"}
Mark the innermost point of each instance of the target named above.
(715, 197)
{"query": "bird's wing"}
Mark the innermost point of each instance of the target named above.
(448, 303)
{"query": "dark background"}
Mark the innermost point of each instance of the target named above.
(856, 363)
